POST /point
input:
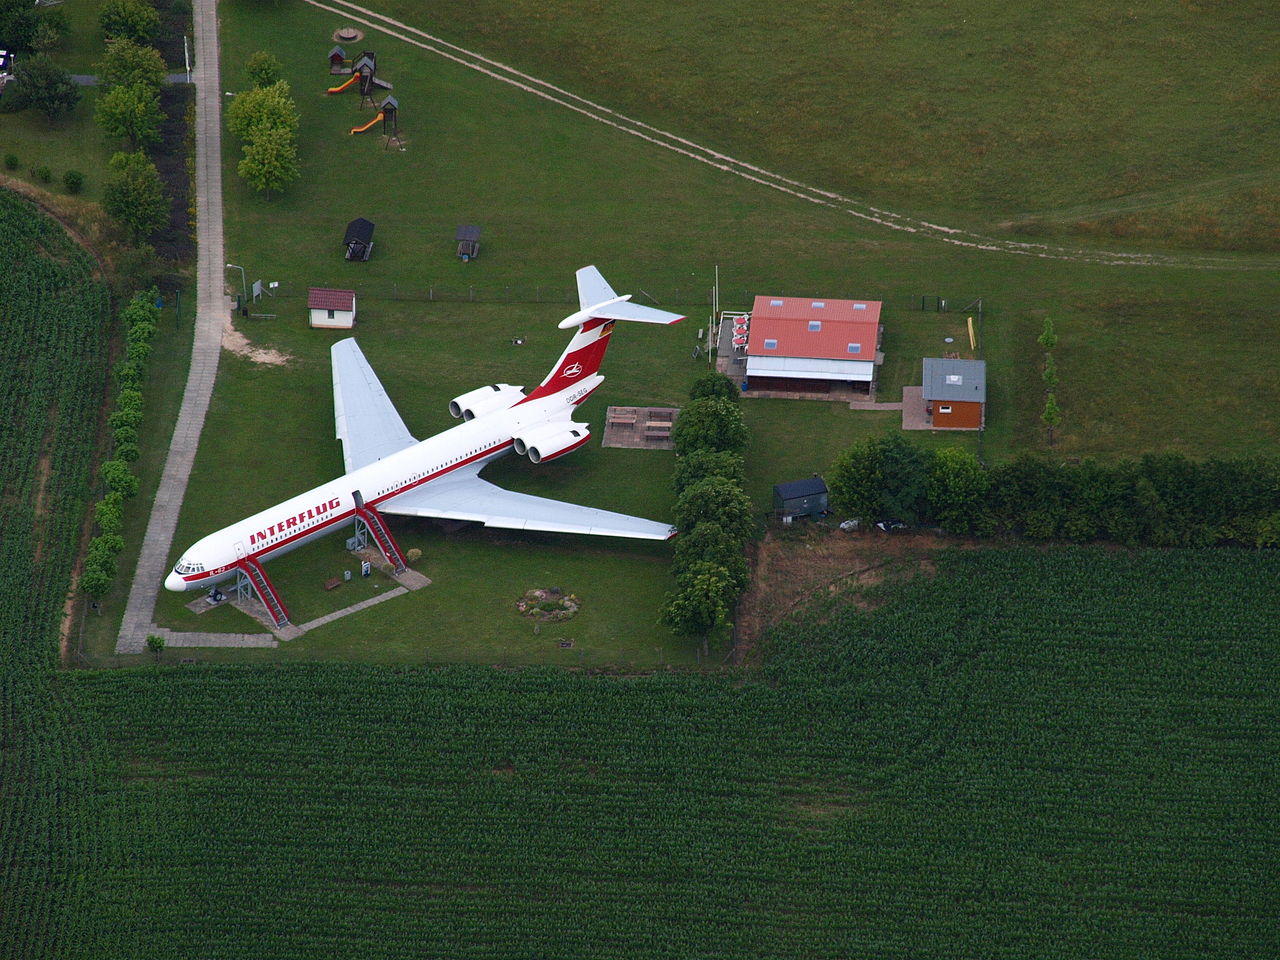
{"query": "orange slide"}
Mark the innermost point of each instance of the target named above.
(354, 78)
(367, 125)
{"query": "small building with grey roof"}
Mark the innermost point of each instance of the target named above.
(955, 393)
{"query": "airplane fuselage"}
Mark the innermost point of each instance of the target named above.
(325, 508)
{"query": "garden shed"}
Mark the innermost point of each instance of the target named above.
(359, 239)
(955, 393)
(800, 498)
(332, 309)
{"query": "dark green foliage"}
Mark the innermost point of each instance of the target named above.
(704, 595)
(266, 119)
(128, 64)
(18, 22)
(51, 392)
(43, 174)
(711, 542)
(1159, 500)
(714, 384)
(132, 112)
(119, 478)
(40, 84)
(134, 194)
(270, 160)
(51, 29)
(718, 501)
(957, 490)
(135, 20)
(698, 464)
(73, 180)
(262, 69)
(711, 423)
(882, 478)
(11, 161)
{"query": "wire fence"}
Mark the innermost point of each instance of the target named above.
(738, 298)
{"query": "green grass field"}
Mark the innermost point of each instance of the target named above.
(553, 191)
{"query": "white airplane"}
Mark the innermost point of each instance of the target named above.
(388, 471)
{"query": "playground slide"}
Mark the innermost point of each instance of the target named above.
(354, 78)
(367, 125)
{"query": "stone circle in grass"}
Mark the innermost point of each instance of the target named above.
(548, 604)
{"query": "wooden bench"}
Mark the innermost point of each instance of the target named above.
(333, 584)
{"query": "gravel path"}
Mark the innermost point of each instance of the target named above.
(212, 310)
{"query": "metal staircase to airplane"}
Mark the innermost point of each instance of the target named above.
(266, 592)
(381, 535)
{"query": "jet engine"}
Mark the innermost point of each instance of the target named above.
(482, 400)
(550, 440)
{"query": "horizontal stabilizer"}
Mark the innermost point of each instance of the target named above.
(597, 300)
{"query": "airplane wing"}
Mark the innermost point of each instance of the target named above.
(462, 495)
(368, 424)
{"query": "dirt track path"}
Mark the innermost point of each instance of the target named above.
(854, 208)
(212, 313)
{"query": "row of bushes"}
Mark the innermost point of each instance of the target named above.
(1162, 500)
(139, 317)
(73, 180)
(712, 512)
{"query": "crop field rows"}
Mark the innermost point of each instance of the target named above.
(53, 322)
(1039, 752)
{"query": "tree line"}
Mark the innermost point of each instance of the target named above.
(1164, 500)
(712, 511)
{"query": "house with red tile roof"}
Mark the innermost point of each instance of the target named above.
(807, 345)
(332, 309)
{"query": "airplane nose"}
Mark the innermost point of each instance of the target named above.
(175, 582)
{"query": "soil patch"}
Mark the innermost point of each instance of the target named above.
(238, 343)
(791, 567)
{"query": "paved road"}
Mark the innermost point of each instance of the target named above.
(212, 310)
(90, 80)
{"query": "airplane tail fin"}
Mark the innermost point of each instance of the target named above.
(600, 308)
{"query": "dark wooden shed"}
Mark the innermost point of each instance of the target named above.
(359, 239)
(468, 238)
(800, 498)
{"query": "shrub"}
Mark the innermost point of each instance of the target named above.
(44, 174)
(11, 161)
(135, 20)
(73, 180)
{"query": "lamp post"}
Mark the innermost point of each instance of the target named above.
(244, 285)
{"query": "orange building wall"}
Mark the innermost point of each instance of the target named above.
(963, 414)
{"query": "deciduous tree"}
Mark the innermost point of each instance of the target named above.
(134, 20)
(709, 423)
(50, 89)
(715, 500)
(702, 600)
(131, 111)
(714, 384)
(712, 543)
(957, 488)
(262, 107)
(699, 464)
(134, 195)
(126, 63)
(270, 160)
(262, 69)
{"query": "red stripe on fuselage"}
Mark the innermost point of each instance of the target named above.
(339, 518)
